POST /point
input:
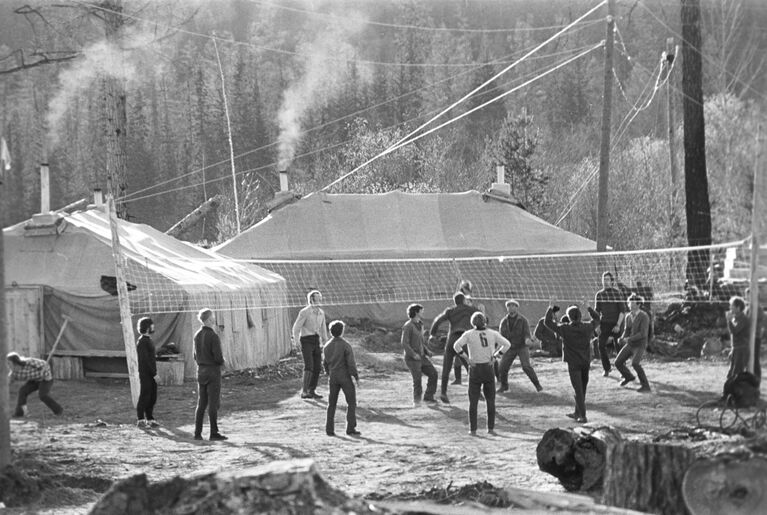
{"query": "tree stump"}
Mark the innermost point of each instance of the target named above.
(576, 456)
(647, 477)
(730, 483)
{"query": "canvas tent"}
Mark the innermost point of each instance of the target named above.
(401, 230)
(62, 265)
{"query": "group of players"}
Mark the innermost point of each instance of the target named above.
(487, 354)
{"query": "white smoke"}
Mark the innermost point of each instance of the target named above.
(99, 61)
(325, 71)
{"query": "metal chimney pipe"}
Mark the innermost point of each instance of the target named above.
(98, 197)
(500, 174)
(45, 188)
(283, 180)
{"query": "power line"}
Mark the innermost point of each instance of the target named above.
(324, 57)
(711, 60)
(356, 113)
(312, 152)
(409, 27)
(468, 95)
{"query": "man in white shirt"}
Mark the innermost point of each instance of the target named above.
(310, 330)
(483, 346)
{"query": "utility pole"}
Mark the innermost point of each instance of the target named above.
(604, 152)
(5, 396)
(671, 53)
(756, 210)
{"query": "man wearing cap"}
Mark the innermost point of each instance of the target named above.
(483, 346)
(147, 374)
(459, 318)
(515, 328)
(38, 376)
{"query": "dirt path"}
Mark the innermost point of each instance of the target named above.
(402, 448)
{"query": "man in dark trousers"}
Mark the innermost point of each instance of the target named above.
(338, 361)
(610, 305)
(147, 374)
(209, 359)
(516, 329)
(37, 376)
(459, 318)
(634, 343)
(483, 346)
(576, 346)
(550, 341)
(310, 331)
(417, 355)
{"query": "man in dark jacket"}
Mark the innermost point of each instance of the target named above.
(209, 359)
(338, 361)
(417, 355)
(550, 341)
(576, 340)
(459, 318)
(516, 329)
(610, 304)
(147, 374)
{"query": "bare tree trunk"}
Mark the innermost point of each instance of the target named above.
(697, 204)
(116, 117)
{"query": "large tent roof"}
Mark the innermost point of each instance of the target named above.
(72, 255)
(400, 225)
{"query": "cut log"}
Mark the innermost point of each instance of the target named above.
(194, 217)
(576, 456)
(735, 484)
(646, 477)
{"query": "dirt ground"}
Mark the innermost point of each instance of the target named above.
(402, 449)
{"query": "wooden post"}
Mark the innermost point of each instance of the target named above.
(5, 399)
(122, 297)
(604, 151)
(756, 209)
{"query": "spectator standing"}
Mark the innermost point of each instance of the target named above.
(341, 368)
(209, 359)
(417, 355)
(310, 329)
(147, 374)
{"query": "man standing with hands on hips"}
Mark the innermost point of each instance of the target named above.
(310, 329)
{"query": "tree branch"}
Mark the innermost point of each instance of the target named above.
(42, 59)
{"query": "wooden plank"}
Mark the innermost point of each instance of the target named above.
(170, 373)
(67, 368)
(91, 353)
(118, 375)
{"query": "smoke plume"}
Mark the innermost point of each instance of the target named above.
(325, 71)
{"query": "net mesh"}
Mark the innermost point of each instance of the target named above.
(659, 274)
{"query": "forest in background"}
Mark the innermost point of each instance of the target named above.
(321, 87)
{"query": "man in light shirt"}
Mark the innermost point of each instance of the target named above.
(483, 346)
(310, 329)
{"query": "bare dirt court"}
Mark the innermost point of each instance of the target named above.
(402, 449)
